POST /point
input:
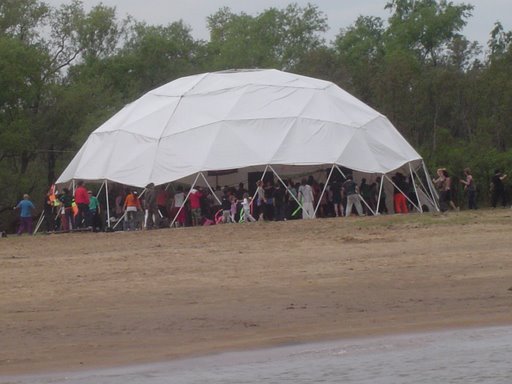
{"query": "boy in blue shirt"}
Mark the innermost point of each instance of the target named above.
(26, 207)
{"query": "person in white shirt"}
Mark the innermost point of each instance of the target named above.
(246, 206)
(306, 198)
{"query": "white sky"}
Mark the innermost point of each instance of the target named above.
(340, 13)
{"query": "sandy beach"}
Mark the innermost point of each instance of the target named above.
(84, 300)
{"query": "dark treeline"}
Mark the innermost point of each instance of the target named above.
(65, 71)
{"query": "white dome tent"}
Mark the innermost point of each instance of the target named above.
(219, 126)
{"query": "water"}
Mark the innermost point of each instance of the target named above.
(461, 356)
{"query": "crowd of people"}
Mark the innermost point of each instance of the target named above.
(157, 206)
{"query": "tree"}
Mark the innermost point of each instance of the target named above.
(361, 51)
(21, 19)
(426, 26)
(274, 38)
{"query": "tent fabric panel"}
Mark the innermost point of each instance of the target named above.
(236, 145)
(358, 155)
(228, 80)
(201, 111)
(131, 159)
(179, 87)
(382, 131)
(269, 101)
(151, 120)
(182, 154)
(312, 142)
(349, 100)
(334, 108)
(69, 172)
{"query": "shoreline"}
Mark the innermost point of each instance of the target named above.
(225, 359)
(90, 301)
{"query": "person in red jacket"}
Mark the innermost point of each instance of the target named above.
(82, 202)
(195, 205)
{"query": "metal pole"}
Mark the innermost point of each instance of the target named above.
(415, 190)
(424, 189)
(391, 181)
(184, 201)
(323, 191)
(210, 188)
(282, 182)
(380, 192)
(108, 203)
(39, 222)
(432, 190)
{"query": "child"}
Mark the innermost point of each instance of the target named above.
(26, 208)
(246, 205)
(226, 208)
(232, 211)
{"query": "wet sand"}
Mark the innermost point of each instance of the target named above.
(85, 301)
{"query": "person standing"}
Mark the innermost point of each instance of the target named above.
(268, 208)
(260, 199)
(82, 201)
(279, 203)
(132, 208)
(498, 188)
(469, 186)
(351, 190)
(400, 190)
(306, 197)
(336, 198)
(152, 212)
(67, 221)
(226, 207)
(49, 212)
(178, 210)
(448, 194)
(195, 205)
(94, 212)
(26, 208)
(246, 206)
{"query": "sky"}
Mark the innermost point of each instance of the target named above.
(340, 13)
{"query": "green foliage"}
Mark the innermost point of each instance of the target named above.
(274, 39)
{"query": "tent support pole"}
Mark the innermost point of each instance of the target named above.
(415, 190)
(380, 194)
(101, 189)
(424, 189)
(186, 199)
(39, 222)
(323, 191)
(367, 205)
(210, 188)
(119, 220)
(402, 192)
(434, 195)
(284, 184)
(108, 203)
(340, 171)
